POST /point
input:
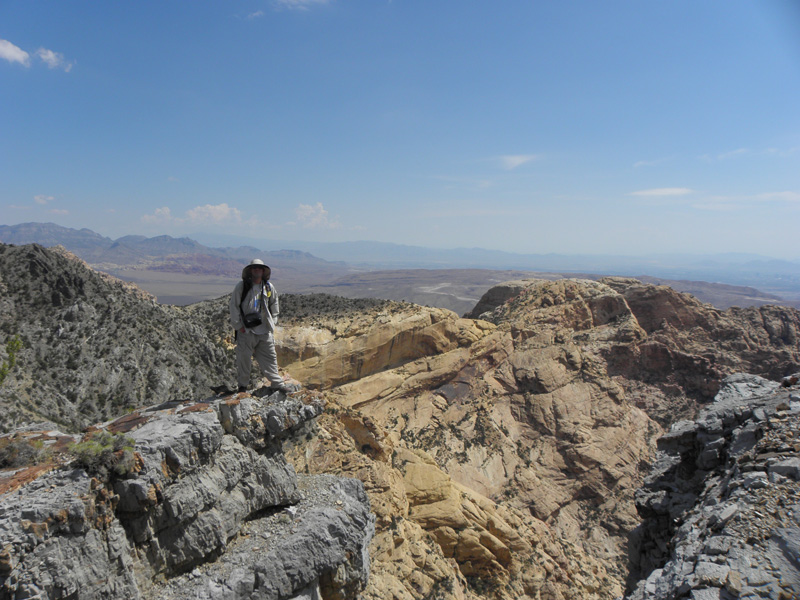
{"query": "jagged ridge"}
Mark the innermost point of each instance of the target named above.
(501, 458)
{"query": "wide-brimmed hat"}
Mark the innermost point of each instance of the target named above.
(256, 262)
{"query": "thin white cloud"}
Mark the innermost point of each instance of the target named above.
(255, 15)
(161, 215)
(54, 60)
(733, 154)
(14, 54)
(214, 214)
(315, 217)
(512, 161)
(663, 192)
(218, 213)
(781, 152)
(720, 203)
(650, 163)
(786, 196)
(58, 211)
(750, 153)
(42, 199)
(299, 4)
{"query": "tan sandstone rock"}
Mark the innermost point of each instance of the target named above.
(541, 424)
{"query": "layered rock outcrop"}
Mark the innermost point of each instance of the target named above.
(722, 508)
(500, 455)
(549, 413)
(208, 507)
(512, 420)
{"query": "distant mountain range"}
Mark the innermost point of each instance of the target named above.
(183, 270)
(130, 249)
(765, 273)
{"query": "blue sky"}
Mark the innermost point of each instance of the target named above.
(609, 127)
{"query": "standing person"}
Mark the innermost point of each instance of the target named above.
(254, 313)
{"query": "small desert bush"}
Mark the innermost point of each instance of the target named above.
(13, 346)
(16, 452)
(103, 453)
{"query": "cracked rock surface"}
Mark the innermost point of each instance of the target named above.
(211, 509)
(722, 509)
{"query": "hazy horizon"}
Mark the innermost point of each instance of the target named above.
(217, 240)
(529, 128)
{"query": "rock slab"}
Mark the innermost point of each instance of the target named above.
(722, 507)
(210, 479)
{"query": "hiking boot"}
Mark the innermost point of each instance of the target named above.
(284, 387)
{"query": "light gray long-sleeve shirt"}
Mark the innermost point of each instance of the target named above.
(262, 298)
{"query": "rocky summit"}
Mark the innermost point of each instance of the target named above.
(208, 508)
(547, 410)
(721, 508)
(559, 442)
(92, 346)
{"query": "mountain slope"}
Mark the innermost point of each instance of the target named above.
(500, 455)
(93, 346)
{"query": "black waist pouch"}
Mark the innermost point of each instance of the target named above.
(252, 320)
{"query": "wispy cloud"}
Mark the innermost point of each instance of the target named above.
(720, 203)
(649, 163)
(216, 213)
(779, 196)
(58, 211)
(663, 192)
(42, 199)
(208, 214)
(299, 4)
(512, 161)
(54, 60)
(734, 154)
(315, 217)
(749, 152)
(781, 152)
(255, 15)
(160, 215)
(14, 54)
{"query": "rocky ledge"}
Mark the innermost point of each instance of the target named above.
(722, 507)
(201, 504)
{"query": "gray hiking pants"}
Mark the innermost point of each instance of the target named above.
(262, 347)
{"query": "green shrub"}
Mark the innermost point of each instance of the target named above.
(104, 453)
(21, 452)
(13, 346)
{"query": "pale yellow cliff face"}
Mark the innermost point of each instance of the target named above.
(508, 450)
(501, 459)
(332, 352)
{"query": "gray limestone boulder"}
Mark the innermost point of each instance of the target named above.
(721, 508)
(209, 509)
